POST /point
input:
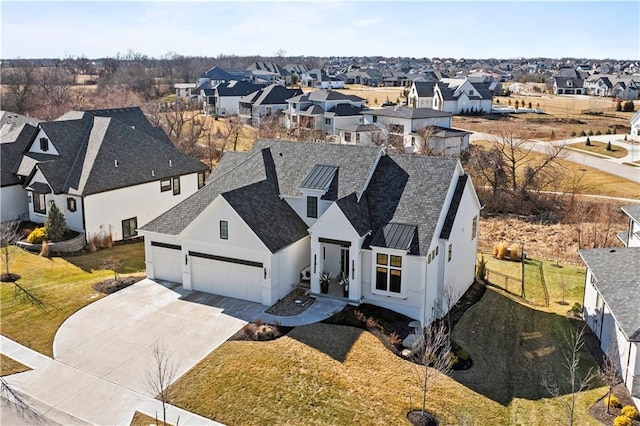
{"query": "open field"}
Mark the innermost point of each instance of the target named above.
(63, 285)
(371, 94)
(592, 181)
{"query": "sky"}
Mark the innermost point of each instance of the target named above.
(456, 29)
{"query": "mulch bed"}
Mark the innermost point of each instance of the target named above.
(9, 278)
(293, 303)
(416, 418)
(111, 285)
(599, 410)
(259, 332)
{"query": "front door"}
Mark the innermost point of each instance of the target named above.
(344, 261)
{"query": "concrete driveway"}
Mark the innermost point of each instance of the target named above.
(102, 351)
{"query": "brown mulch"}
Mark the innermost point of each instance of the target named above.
(293, 303)
(259, 332)
(417, 418)
(9, 278)
(111, 285)
(599, 410)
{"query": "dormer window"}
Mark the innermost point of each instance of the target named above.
(44, 144)
(312, 207)
(471, 93)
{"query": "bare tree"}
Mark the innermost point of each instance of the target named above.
(423, 147)
(18, 403)
(9, 235)
(609, 370)
(450, 296)
(160, 375)
(230, 131)
(56, 83)
(20, 84)
(433, 359)
(573, 381)
(112, 264)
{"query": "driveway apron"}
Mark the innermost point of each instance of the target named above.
(101, 352)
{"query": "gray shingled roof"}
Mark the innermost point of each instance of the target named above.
(617, 274)
(251, 188)
(425, 88)
(274, 94)
(453, 207)
(325, 95)
(89, 148)
(412, 190)
(633, 211)
(12, 146)
(410, 113)
(404, 189)
(236, 88)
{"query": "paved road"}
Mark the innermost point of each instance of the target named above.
(608, 165)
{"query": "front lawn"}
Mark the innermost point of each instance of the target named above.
(332, 374)
(63, 285)
(10, 366)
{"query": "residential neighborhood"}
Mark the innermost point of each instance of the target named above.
(406, 217)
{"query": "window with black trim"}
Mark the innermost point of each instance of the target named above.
(312, 207)
(165, 185)
(71, 204)
(39, 203)
(327, 121)
(176, 185)
(389, 273)
(450, 252)
(375, 119)
(129, 227)
(44, 144)
(200, 179)
(224, 230)
(347, 136)
(474, 227)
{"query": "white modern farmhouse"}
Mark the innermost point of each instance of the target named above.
(612, 301)
(108, 171)
(400, 227)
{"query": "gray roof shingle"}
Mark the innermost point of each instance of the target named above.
(633, 211)
(617, 274)
(12, 145)
(410, 113)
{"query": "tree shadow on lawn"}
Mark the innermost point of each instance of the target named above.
(514, 348)
(332, 340)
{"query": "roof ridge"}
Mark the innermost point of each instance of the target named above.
(259, 151)
(85, 142)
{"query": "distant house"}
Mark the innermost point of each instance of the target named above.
(16, 132)
(421, 94)
(324, 111)
(269, 101)
(398, 228)
(635, 124)
(631, 237)
(569, 81)
(269, 73)
(458, 96)
(319, 79)
(223, 99)
(418, 130)
(621, 86)
(108, 171)
(358, 134)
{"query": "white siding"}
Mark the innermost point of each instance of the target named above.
(634, 234)
(286, 266)
(35, 147)
(299, 205)
(104, 212)
(14, 203)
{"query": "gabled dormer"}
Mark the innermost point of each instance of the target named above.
(318, 190)
(42, 144)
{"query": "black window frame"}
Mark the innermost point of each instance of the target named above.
(388, 273)
(129, 231)
(450, 255)
(44, 144)
(71, 204)
(163, 187)
(224, 230)
(39, 203)
(312, 207)
(176, 185)
(201, 179)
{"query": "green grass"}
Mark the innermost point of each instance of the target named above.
(9, 366)
(64, 287)
(558, 279)
(598, 147)
(329, 374)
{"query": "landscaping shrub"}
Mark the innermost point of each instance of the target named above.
(609, 148)
(628, 106)
(576, 308)
(481, 272)
(622, 421)
(37, 236)
(573, 134)
(618, 106)
(590, 132)
(500, 250)
(630, 411)
(56, 224)
(394, 339)
(598, 133)
(588, 143)
(612, 401)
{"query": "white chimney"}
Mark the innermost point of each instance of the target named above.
(153, 172)
(170, 163)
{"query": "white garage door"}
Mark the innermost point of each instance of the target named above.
(166, 262)
(227, 278)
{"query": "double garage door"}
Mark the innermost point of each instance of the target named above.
(237, 278)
